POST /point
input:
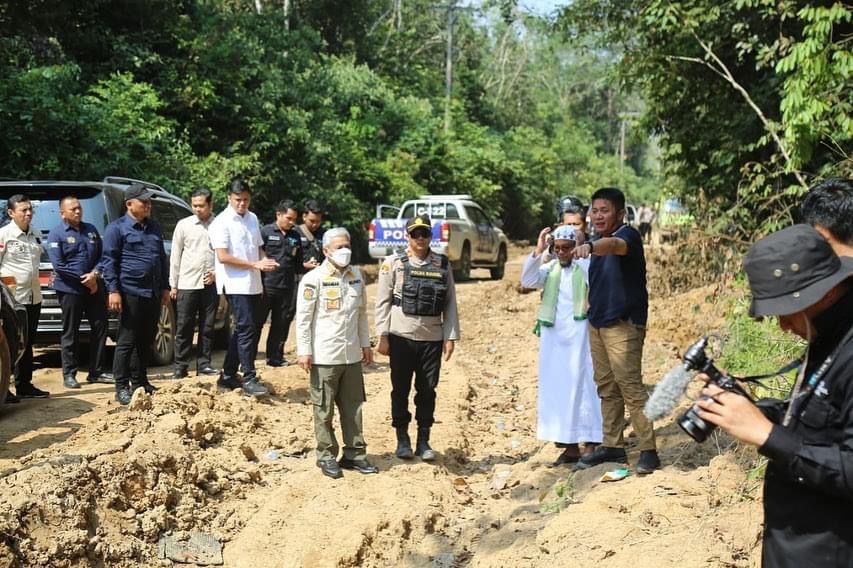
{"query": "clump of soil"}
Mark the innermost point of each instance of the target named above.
(136, 475)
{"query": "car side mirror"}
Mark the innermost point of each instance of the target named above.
(498, 223)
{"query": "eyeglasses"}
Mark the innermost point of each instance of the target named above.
(420, 234)
(560, 248)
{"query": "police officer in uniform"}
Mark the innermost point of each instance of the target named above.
(281, 242)
(311, 233)
(417, 322)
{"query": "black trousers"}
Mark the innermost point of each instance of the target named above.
(281, 304)
(137, 328)
(243, 345)
(195, 305)
(73, 307)
(24, 368)
(423, 359)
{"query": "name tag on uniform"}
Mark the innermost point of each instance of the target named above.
(54, 245)
(274, 238)
(71, 240)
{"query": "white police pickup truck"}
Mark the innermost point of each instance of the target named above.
(461, 230)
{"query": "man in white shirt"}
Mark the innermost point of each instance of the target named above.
(236, 239)
(193, 285)
(20, 253)
(332, 343)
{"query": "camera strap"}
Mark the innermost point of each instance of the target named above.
(795, 364)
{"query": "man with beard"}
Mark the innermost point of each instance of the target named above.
(569, 408)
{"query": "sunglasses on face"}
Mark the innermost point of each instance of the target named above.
(422, 234)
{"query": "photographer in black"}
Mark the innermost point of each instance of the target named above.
(808, 488)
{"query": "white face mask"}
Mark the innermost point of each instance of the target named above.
(341, 257)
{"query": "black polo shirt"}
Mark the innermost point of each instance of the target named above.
(285, 248)
(617, 284)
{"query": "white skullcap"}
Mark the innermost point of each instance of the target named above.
(565, 233)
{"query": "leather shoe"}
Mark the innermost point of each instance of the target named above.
(27, 390)
(228, 383)
(149, 388)
(361, 466)
(568, 456)
(123, 396)
(276, 363)
(105, 378)
(253, 387)
(648, 462)
(70, 382)
(330, 468)
(11, 398)
(602, 454)
(207, 370)
(181, 374)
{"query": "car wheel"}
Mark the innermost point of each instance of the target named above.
(163, 349)
(5, 366)
(463, 272)
(498, 271)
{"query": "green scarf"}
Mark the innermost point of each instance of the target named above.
(548, 308)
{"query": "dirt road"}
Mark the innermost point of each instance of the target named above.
(87, 483)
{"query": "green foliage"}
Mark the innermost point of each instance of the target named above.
(340, 102)
(758, 347)
(742, 95)
(564, 495)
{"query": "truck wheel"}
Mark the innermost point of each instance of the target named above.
(498, 271)
(5, 366)
(463, 273)
(163, 349)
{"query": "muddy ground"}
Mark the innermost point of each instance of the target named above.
(85, 482)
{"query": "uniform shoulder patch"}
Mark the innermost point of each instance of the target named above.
(308, 292)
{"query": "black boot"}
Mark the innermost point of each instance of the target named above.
(404, 444)
(422, 448)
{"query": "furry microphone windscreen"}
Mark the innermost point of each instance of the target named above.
(668, 392)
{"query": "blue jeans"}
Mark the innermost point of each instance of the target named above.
(243, 346)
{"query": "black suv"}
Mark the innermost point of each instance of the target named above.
(103, 202)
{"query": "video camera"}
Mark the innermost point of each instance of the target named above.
(670, 389)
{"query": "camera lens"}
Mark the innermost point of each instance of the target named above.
(694, 426)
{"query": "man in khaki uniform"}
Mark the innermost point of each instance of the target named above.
(20, 253)
(332, 343)
(416, 321)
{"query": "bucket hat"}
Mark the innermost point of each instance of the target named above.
(792, 269)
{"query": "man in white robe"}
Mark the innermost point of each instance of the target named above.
(569, 407)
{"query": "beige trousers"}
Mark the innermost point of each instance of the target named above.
(617, 359)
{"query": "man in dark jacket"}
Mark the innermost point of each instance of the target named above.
(74, 248)
(281, 242)
(136, 272)
(808, 488)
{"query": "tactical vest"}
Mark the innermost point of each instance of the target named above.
(424, 288)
